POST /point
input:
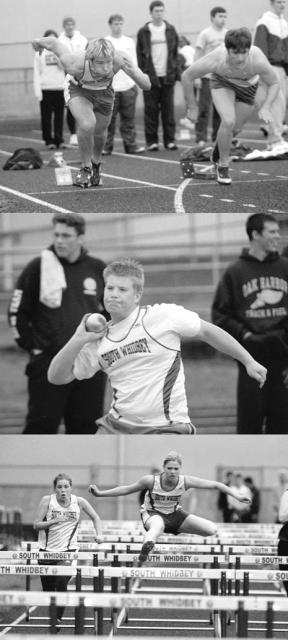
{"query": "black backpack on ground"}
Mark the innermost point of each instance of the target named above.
(24, 159)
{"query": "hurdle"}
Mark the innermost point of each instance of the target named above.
(242, 606)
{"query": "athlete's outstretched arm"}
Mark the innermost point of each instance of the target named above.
(192, 482)
(146, 482)
(224, 342)
(61, 367)
(197, 70)
(84, 504)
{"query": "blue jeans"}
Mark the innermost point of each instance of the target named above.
(204, 107)
(124, 104)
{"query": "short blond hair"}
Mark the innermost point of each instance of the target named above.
(173, 456)
(126, 268)
(100, 48)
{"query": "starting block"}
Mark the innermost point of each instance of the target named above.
(200, 171)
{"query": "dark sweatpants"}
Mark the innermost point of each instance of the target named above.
(262, 410)
(283, 551)
(52, 114)
(159, 100)
(124, 105)
(79, 403)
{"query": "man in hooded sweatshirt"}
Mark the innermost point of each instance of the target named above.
(251, 303)
(52, 293)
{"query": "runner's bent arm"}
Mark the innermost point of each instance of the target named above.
(200, 483)
(145, 482)
(224, 342)
(86, 507)
(61, 368)
(131, 70)
(40, 522)
(71, 63)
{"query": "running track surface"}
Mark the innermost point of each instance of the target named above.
(150, 183)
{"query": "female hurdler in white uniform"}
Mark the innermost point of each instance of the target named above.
(57, 520)
(161, 511)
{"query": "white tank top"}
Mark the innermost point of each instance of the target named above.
(63, 535)
(161, 500)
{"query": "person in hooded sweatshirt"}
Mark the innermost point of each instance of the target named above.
(251, 303)
(51, 295)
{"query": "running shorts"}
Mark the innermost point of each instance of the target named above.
(102, 100)
(172, 521)
(242, 94)
(108, 425)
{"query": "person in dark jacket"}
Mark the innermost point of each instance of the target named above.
(271, 36)
(51, 296)
(157, 52)
(253, 513)
(251, 303)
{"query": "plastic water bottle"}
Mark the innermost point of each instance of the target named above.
(59, 159)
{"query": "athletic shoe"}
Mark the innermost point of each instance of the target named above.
(278, 148)
(153, 147)
(73, 139)
(171, 146)
(187, 123)
(106, 152)
(51, 146)
(223, 174)
(84, 178)
(146, 548)
(136, 150)
(215, 154)
(96, 174)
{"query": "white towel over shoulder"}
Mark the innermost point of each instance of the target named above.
(52, 280)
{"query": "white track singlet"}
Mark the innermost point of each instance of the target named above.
(164, 501)
(141, 356)
(63, 535)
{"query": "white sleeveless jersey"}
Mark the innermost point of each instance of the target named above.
(63, 535)
(161, 500)
(141, 356)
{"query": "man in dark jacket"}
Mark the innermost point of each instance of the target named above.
(251, 303)
(157, 52)
(51, 296)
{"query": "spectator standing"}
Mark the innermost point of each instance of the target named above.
(157, 51)
(272, 38)
(251, 303)
(239, 510)
(278, 491)
(76, 43)
(209, 39)
(48, 80)
(125, 92)
(51, 295)
(222, 502)
(253, 513)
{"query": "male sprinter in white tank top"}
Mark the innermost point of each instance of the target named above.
(90, 95)
(236, 68)
(140, 351)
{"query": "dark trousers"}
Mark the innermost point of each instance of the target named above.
(283, 551)
(262, 410)
(159, 100)
(55, 583)
(78, 403)
(52, 108)
(124, 105)
(204, 109)
(71, 122)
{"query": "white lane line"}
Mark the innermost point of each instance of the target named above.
(264, 174)
(5, 153)
(178, 198)
(226, 200)
(17, 621)
(251, 206)
(149, 184)
(43, 203)
(205, 195)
